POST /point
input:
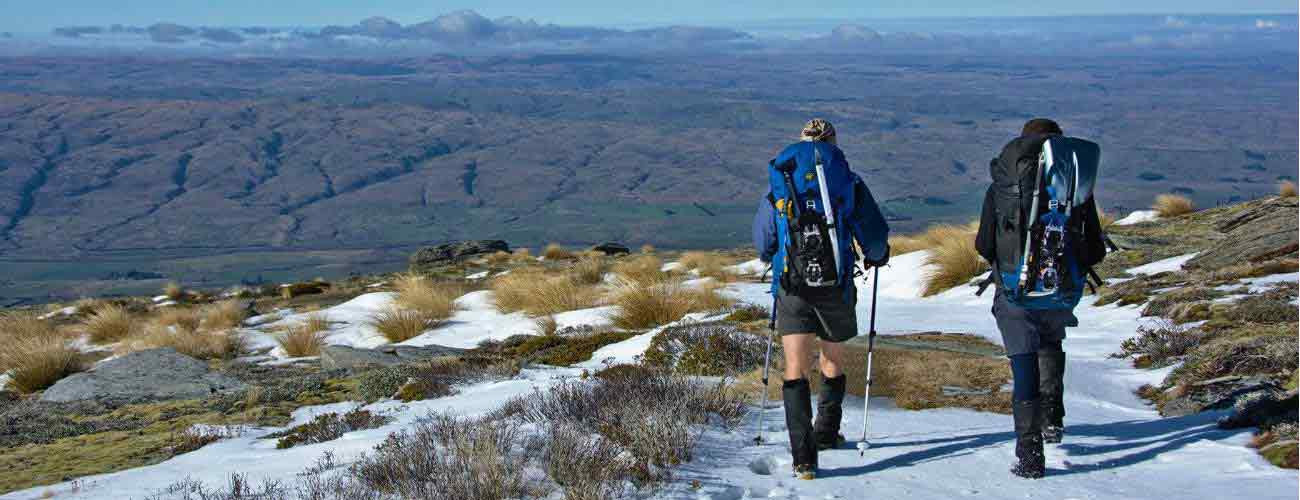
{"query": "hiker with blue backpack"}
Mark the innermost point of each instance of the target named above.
(1040, 233)
(815, 210)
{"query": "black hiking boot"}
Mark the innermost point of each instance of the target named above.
(798, 419)
(1029, 439)
(830, 409)
(1051, 373)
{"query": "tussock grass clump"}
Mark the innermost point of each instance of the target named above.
(1104, 218)
(224, 315)
(537, 293)
(954, 258)
(643, 269)
(436, 301)
(589, 270)
(498, 258)
(1172, 205)
(34, 354)
(183, 318)
(174, 291)
(1163, 304)
(643, 305)
(554, 251)
(398, 324)
(932, 237)
(647, 249)
(708, 264)
(109, 323)
(200, 344)
(1286, 189)
(304, 339)
(1263, 350)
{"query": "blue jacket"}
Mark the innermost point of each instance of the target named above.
(867, 227)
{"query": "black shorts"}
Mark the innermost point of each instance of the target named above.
(1025, 330)
(820, 312)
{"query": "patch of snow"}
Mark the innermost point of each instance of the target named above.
(1138, 217)
(165, 303)
(478, 276)
(4, 380)
(275, 315)
(1163, 265)
(159, 298)
(753, 267)
(377, 285)
(672, 266)
(67, 311)
(629, 350)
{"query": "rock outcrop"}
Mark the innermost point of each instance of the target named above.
(1259, 234)
(611, 248)
(450, 253)
(334, 357)
(155, 374)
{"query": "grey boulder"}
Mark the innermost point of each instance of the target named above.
(335, 357)
(450, 253)
(152, 375)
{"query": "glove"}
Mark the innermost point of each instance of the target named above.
(868, 263)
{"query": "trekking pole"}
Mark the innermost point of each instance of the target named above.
(767, 359)
(871, 346)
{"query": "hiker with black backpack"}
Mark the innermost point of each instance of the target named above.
(815, 210)
(1040, 233)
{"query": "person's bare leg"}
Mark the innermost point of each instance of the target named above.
(798, 350)
(832, 359)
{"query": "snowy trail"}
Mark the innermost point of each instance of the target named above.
(1115, 446)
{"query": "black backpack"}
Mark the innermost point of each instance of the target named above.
(1047, 236)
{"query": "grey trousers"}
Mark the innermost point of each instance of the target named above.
(1027, 331)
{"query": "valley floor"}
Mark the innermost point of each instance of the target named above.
(1116, 446)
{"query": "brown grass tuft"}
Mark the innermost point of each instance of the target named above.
(304, 339)
(1104, 218)
(224, 315)
(589, 270)
(398, 324)
(1172, 205)
(954, 257)
(174, 291)
(498, 258)
(183, 318)
(647, 249)
(436, 301)
(537, 293)
(200, 344)
(708, 264)
(932, 237)
(545, 325)
(644, 269)
(643, 305)
(1286, 189)
(109, 323)
(33, 353)
(554, 251)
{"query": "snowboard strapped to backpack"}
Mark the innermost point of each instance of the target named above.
(1041, 186)
(811, 187)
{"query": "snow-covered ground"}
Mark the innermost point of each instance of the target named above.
(1115, 446)
(1138, 217)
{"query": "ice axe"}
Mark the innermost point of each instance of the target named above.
(863, 444)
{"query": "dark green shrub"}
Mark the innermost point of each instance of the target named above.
(716, 348)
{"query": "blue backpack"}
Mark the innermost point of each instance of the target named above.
(813, 193)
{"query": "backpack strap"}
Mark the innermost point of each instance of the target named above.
(988, 280)
(1090, 278)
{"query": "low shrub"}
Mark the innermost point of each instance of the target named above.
(714, 349)
(585, 466)
(1270, 351)
(443, 456)
(1172, 205)
(1160, 345)
(1260, 309)
(580, 348)
(747, 312)
(109, 323)
(327, 427)
(196, 437)
(643, 305)
(1163, 304)
(305, 338)
(382, 383)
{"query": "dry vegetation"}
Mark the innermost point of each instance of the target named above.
(1172, 205)
(398, 324)
(953, 255)
(538, 293)
(708, 264)
(1287, 189)
(304, 339)
(224, 315)
(554, 251)
(437, 301)
(589, 270)
(643, 269)
(196, 343)
(33, 353)
(109, 323)
(647, 305)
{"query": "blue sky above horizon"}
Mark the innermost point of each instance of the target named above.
(30, 16)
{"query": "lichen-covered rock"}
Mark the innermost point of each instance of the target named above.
(610, 248)
(1216, 394)
(1261, 233)
(333, 357)
(427, 258)
(154, 374)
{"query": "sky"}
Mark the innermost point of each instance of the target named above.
(27, 16)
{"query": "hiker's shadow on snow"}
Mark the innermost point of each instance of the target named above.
(1143, 439)
(935, 449)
